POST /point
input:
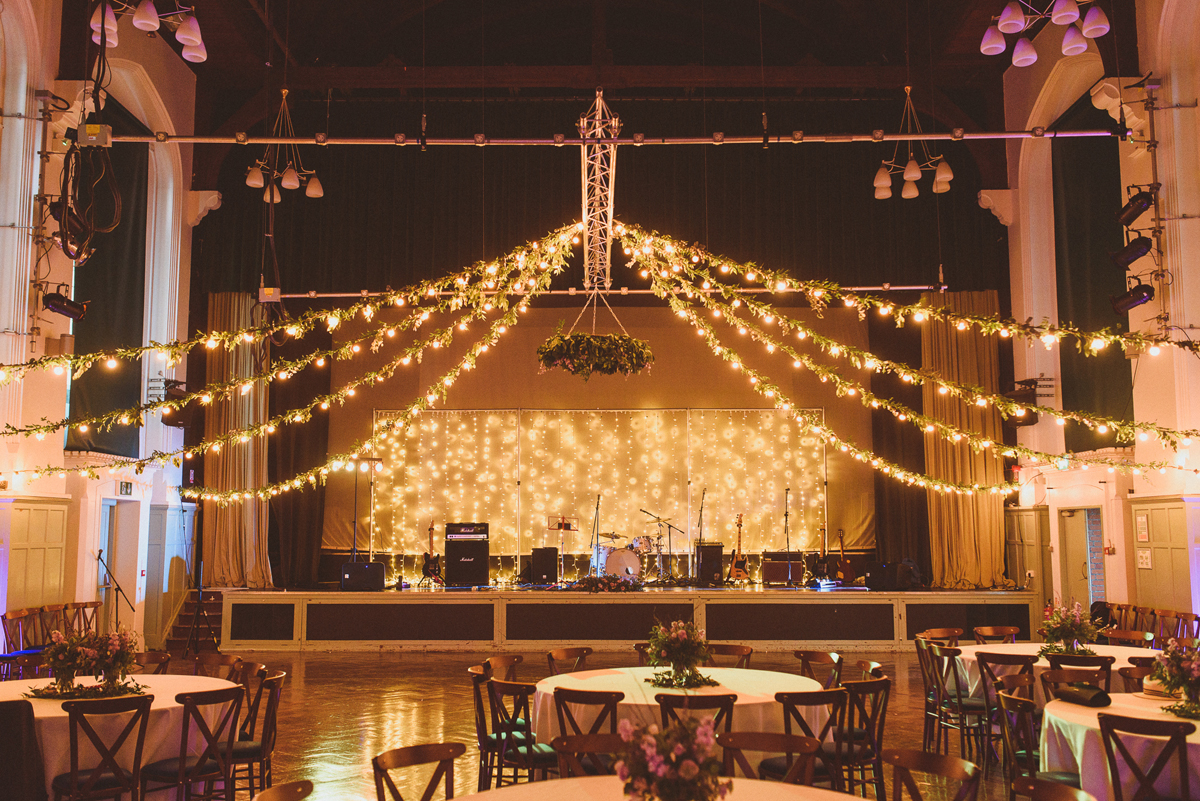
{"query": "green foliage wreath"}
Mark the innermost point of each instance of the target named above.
(584, 354)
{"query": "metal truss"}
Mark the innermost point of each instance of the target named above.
(598, 129)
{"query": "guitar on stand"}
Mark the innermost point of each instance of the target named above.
(431, 570)
(737, 564)
(843, 570)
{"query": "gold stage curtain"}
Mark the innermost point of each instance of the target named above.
(235, 536)
(966, 532)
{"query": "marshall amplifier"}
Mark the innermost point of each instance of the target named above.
(466, 562)
(362, 576)
(466, 531)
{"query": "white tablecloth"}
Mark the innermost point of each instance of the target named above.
(162, 730)
(1071, 741)
(608, 788)
(968, 667)
(755, 710)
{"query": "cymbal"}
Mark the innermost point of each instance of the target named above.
(654, 521)
(609, 535)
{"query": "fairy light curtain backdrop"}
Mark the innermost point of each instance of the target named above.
(525, 469)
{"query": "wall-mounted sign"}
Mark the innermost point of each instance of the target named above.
(1141, 523)
(126, 488)
(1143, 559)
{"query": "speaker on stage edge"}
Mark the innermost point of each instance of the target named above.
(362, 576)
(710, 568)
(466, 563)
(545, 566)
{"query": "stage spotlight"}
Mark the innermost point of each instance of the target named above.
(1132, 252)
(1024, 392)
(1142, 293)
(1138, 205)
(59, 303)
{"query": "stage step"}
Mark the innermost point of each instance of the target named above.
(211, 604)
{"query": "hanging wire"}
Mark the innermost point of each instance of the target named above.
(704, 116)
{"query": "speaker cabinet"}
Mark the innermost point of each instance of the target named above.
(466, 563)
(362, 576)
(545, 566)
(776, 572)
(709, 565)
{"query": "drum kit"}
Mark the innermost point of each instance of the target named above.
(624, 561)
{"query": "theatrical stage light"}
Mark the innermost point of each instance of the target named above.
(61, 304)
(1142, 293)
(1132, 252)
(1138, 205)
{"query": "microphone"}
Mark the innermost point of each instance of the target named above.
(100, 555)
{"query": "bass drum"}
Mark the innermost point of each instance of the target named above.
(623, 563)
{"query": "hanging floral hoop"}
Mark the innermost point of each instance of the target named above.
(584, 354)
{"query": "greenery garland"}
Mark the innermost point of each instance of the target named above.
(583, 354)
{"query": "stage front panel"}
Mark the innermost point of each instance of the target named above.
(967, 617)
(588, 621)
(263, 622)
(383, 622)
(831, 622)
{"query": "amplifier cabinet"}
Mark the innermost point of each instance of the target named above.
(710, 568)
(775, 572)
(544, 566)
(362, 576)
(466, 531)
(466, 563)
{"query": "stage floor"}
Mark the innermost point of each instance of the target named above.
(769, 618)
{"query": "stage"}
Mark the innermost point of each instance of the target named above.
(511, 619)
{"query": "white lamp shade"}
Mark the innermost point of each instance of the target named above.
(993, 43)
(314, 188)
(290, 178)
(883, 192)
(910, 190)
(1095, 24)
(1064, 12)
(943, 172)
(272, 194)
(1012, 18)
(146, 16)
(196, 53)
(912, 170)
(1074, 42)
(254, 178)
(1024, 53)
(110, 20)
(189, 31)
(110, 40)
(941, 186)
(883, 177)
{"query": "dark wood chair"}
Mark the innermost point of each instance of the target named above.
(1166, 627)
(576, 657)
(1144, 618)
(81, 616)
(1132, 677)
(905, 761)
(107, 779)
(503, 666)
(986, 635)
(152, 662)
(827, 763)
(1021, 744)
(606, 701)
(255, 747)
(642, 649)
(292, 791)
(1053, 680)
(52, 618)
(1040, 790)
(1087, 661)
(870, 669)
(799, 751)
(830, 662)
(30, 666)
(991, 668)
(929, 687)
(740, 653)
(1019, 684)
(587, 754)
(21, 628)
(253, 700)
(21, 762)
(1143, 661)
(488, 742)
(866, 714)
(670, 707)
(1189, 624)
(1124, 617)
(443, 754)
(214, 763)
(1145, 769)
(519, 748)
(957, 709)
(1133, 637)
(948, 636)
(216, 665)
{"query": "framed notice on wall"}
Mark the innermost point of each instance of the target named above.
(1143, 559)
(1141, 524)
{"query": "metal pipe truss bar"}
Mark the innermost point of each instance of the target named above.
(598, 160)
(627, 291)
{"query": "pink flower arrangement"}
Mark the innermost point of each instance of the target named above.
(682, 646)
(676, 764)
(1067, 630)
(1178, 669)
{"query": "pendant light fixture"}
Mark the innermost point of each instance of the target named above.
(280, 165)
(146, 17)
(1020, 16)
(912, 164)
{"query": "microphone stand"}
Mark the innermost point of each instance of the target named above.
(595, 541)
(116, 584)
(699, 533)
(787, 541)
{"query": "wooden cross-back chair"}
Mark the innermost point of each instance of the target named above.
(828, 767)
(799, 750)
(1189, 624)
(81, 616)
(671, 706)
(642, 649)
(905, 761)
(948, 636)
(20, 631)
(292, 791)
(152, 662)
(1054, 680)
(255, 747)
(214, 763)
(932, 714)
(519, 748)
(1166, 627)
(1042, 790)
(991, 667)
(1021, 744)
(52, 618)
(582, 755)
(1104, 664)
(503, 666)
(1122, 763)
(829, 660)
(606, 702)
(866, 712)
(1133, 676)
(443, 754)
(986, 635)
(108, 778)
(216, 665)
(740, 653)
(488, 742)
(957, 709)
(1144, 618)
(1133, 637)
(568, 660)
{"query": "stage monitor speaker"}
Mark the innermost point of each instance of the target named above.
(362, 576)
(710, 568)
(888, 576)
(466, 563)
(545, 566)
(776, 572)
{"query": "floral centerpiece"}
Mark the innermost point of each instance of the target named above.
(682, 647)
(1178, 671)
(672, 765)
(1067, 630)
(107, 658)
(592, 583)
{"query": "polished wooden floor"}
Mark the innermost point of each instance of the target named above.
(340, 709)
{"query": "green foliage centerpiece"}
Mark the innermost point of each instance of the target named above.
(1067, 630)
(582, 354)
(1178, 670)
(106, 657)
(682, 647)
(590, 583)
(676, 764)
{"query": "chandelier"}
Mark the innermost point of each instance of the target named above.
(266, 171)
(1019, 16)
(146, 17)
(912, 168)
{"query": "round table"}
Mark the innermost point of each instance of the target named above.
(755, 709)
(162, 730)
(1071, 742)
(968, 667)
(609, 788)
